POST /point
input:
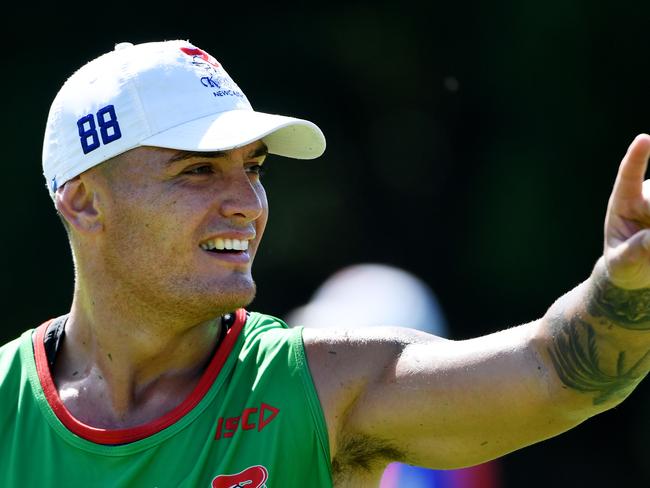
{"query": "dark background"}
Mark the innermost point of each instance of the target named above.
(472, 143)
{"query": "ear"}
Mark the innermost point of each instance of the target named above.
(79, 206)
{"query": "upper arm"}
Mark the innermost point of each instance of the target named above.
(435, 402)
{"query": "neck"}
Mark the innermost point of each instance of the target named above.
(132, 362)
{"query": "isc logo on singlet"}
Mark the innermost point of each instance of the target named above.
(247, 420)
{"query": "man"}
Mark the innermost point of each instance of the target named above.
(158, 377)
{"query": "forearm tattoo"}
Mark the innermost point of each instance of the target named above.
(574, 352)
(629, 309)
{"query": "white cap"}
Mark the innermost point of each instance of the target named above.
(167, 94)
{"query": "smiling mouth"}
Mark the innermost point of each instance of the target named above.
(225, 246)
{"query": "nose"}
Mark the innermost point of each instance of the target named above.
(242, 198)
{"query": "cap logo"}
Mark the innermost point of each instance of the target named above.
(200, 53)
(215, 78)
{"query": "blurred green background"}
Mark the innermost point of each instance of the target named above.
(472, 143)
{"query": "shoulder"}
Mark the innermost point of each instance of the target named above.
(14, 376)
(258, 322)
(362, 347)
(266, 338)
(263, 328)
(358, 352)
(10, 359)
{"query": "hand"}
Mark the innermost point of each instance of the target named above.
(627, 224)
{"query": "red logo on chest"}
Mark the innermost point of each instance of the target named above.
(253, 477)
(249, 419)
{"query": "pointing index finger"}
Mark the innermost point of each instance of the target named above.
(631, 172)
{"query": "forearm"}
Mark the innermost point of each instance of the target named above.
(598, 340)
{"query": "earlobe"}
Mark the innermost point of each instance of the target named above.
(79, 206)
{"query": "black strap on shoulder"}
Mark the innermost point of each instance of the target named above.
(54, 338)
(228, 320)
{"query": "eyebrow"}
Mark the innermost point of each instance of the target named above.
(183, 155)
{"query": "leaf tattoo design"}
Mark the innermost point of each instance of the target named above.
(629, 309)
(574, 353)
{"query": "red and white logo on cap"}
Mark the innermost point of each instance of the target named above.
(200, 53)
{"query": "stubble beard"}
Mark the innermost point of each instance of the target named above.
(183, 298)
(231, 299)
(237, 291)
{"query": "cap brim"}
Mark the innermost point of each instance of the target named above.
(285, 136)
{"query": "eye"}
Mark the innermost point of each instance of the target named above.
(203, 169)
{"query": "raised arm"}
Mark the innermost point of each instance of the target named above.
(395, 394)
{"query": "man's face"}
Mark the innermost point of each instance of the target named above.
(181, 229)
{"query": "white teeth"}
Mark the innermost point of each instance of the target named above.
(222, 244)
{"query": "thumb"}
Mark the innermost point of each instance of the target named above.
(645, 239)
(628, 264)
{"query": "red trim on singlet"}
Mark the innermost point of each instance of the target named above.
(123, 436)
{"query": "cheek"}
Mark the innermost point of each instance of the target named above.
(260, 224)
(148, 226)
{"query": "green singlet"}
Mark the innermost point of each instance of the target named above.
(253, 421)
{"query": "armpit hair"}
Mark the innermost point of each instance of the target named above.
(362, 455)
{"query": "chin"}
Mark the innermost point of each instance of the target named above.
(238, 295)
(231, 302)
